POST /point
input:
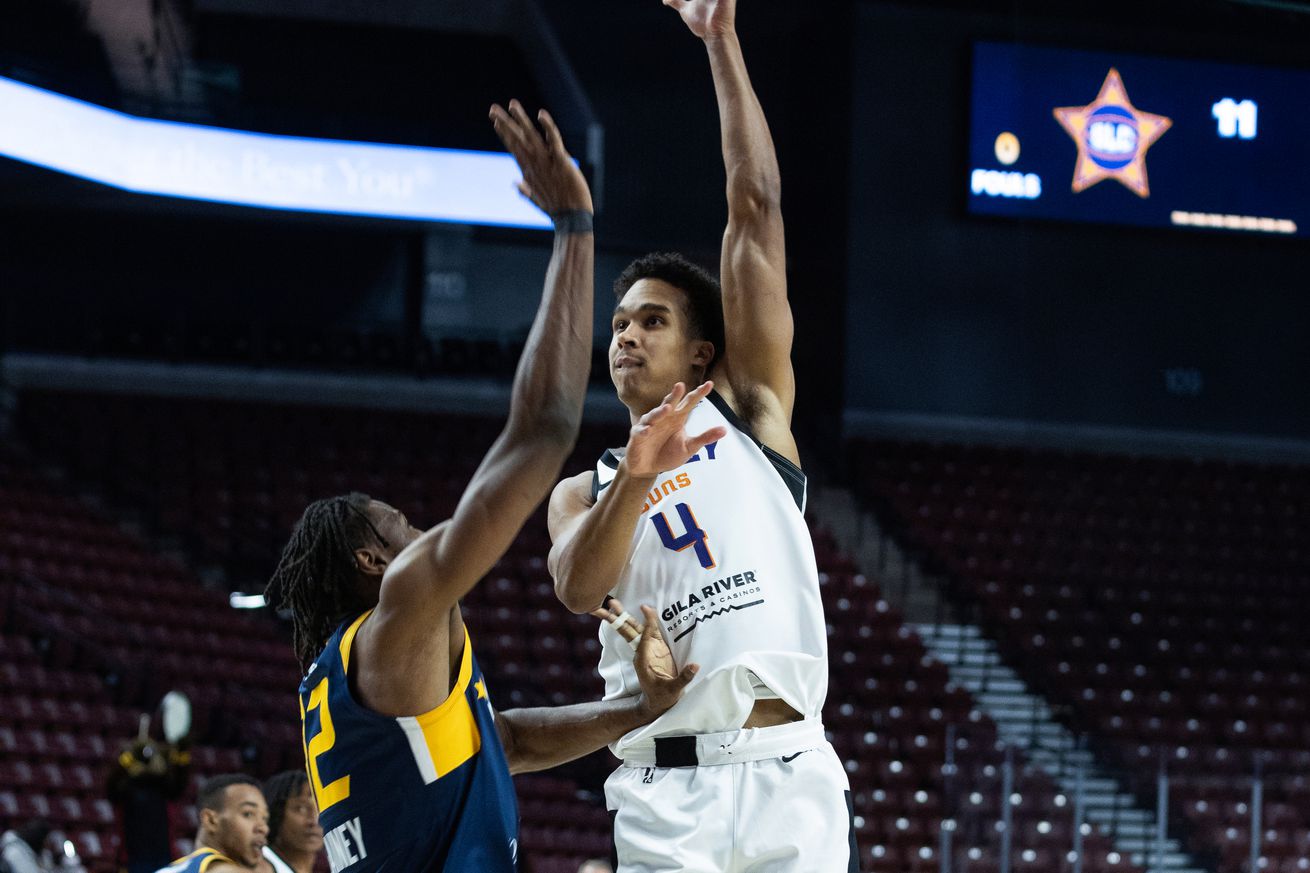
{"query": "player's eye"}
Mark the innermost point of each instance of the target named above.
(654, 319)
(619, 325)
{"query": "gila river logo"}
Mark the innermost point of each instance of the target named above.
(1112, 137)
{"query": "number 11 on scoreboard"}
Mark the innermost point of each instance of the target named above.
(1235, 119)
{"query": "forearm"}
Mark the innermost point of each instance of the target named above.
(594, 556)
(547, 736)
(550, 384)
(748, 151)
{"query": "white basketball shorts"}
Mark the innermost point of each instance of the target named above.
(762, 800)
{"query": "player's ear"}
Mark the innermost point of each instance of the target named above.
(702, 353)
(370, 562)
(209, 819)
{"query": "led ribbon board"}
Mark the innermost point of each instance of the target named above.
(197, 162)
(1127, 139)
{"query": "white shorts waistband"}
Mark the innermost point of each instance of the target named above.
(728, 747)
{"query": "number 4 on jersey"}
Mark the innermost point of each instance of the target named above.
(694, 536)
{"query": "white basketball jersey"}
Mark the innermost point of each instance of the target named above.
(279, 866)
(723, 554)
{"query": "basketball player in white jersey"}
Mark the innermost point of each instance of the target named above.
(702, 515)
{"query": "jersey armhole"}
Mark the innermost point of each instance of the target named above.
(611, 461)
(792, 476)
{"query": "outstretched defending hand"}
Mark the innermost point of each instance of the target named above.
(659, 440)
(661, 683)
(550, 178)
(612, 613)
(707, 18)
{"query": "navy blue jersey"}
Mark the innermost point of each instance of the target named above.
(411, 794)
(197, 862)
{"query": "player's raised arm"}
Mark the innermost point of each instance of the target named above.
(546, 403)
(757, 317)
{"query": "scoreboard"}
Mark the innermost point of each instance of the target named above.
(1135, 140)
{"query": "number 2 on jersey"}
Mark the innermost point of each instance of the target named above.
(338, 789)
(694, 536)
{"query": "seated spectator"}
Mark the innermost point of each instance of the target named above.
(37, 848)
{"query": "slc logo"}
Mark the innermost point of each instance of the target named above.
(1112, 137)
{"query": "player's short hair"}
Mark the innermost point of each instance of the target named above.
(278, 790)
(704, 297)
(213, 793)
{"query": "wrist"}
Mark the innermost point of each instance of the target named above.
(625, 470)
(726, 37)
(568, 221)
(645, 711)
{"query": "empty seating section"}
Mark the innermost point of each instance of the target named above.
(1156, 600)
(93, 628)
(229, 481)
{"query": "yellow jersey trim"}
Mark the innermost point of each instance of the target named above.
(214, 857)
(348, 640)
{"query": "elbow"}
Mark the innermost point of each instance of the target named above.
(519, 761)
(559, 430)
(570, 587)
(509, 744)
(754, 193)
(575, 601)
(516, 764)
(554, 430)
(567, 590)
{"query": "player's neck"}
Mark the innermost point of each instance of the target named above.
(205, 840)
(640, 406)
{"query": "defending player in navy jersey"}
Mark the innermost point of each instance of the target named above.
(702, 514)
(409, 763)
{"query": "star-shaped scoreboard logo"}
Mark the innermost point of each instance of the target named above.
(1112, 137)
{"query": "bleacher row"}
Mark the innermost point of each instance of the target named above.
(1156, 601)
(228, 480)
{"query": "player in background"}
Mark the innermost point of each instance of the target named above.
(409, 764)
(295, 838)
(233, 827)
(702, 514)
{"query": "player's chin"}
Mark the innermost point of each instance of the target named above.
(627, 381)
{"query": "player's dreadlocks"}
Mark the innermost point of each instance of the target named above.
(316, 577)
(278, 790)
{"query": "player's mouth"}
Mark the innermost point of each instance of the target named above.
(624, 361)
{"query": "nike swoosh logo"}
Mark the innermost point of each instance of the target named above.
(787, 759)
